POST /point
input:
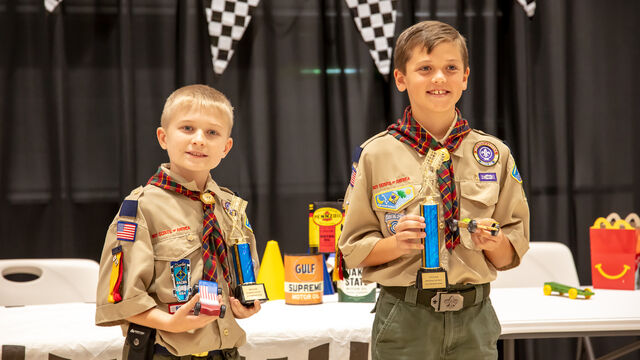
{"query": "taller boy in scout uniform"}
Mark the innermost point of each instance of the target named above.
(170, 234)
(383, 228)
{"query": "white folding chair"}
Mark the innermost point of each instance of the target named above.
(545, 261)
(49, 281)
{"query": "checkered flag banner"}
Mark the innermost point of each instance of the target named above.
(227, 19)
(376, 21)
(529, 7)
(51, 4)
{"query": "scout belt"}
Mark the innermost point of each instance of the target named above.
(451, 300)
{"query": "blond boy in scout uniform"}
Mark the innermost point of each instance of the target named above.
(155, 249)
(383, 228)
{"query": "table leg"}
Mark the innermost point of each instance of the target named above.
(508, 349)
(621, 352)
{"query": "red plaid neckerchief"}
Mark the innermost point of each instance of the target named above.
(211, 232)
(408, 131)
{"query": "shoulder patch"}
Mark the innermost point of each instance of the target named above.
(129, 208)
(394, 199)
(354, 172)
(126, 231)
(246, 223)
(515, 173)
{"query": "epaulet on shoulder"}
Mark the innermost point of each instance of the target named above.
(482, 133)
(369, 140)
(494, 137)
(136, 193)
(358, 150)
(228, 191)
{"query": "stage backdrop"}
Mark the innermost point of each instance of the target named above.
(82, 89)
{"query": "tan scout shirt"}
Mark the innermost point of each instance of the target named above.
(483, 191)
(169, 228)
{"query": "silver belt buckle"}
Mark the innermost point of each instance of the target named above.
(447, 302)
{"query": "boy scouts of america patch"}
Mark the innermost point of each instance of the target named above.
(391, 219)
(486, 153)
(516, 174)
(394, 199)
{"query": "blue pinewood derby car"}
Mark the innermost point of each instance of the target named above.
(561, 289)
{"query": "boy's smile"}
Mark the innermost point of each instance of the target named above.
(434, 82)
(196, 142)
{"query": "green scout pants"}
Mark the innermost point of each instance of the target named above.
(405, 331)
(224, 354)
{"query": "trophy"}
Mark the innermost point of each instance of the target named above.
(247, 290)
(431, 275)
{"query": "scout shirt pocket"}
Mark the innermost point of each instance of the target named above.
(182, 252)
(477, 201)
(392, 203)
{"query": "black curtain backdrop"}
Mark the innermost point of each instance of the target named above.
(82, 89)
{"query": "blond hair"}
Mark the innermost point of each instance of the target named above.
(428, 35)
(196, 98)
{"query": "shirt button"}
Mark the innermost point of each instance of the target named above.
(226, 332)
(190, 237)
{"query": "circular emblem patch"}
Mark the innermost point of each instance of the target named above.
(486, 153)
(391, 219)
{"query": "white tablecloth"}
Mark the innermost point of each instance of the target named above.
(280, 330)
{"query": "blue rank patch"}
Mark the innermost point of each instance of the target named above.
(516, 174)
(246, 223)
(180, 276)
(356, 154)
(394, 199)
(488, 176)
(129, 208)
(391, 219)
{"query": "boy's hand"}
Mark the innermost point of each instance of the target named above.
(484, 240)
(184, 319)
(497, 249)
(242, 312)
(407, 239)
(409, 233)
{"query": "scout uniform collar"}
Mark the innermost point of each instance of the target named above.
(211, 234)
(210, 185)
(408, 131)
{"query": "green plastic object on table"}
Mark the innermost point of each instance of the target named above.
(561, 289)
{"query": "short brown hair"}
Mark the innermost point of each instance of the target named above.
(196, 97)
(427, 34)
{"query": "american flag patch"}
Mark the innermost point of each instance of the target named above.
(126, 231)
(352, 182)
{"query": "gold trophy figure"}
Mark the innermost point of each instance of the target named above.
(247, 289)
(431, 275)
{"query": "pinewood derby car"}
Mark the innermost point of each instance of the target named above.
(209, 304)
(561, 289)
